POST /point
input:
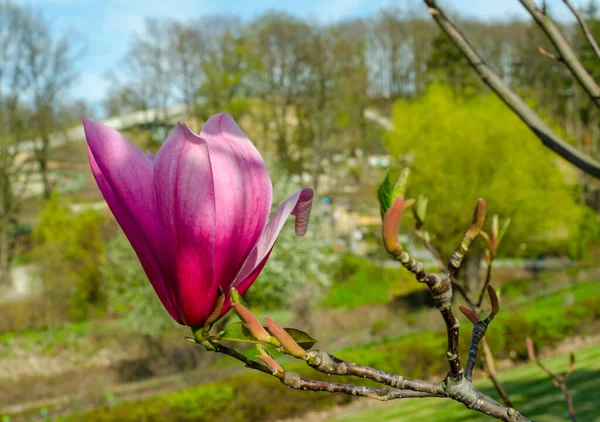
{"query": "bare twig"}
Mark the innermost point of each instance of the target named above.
(434, 253)
(550, 55)
(479, 330)
(490, 369)
(486, 283)
(565, 51)
(489, 365)
(472, 232)
(584, 27)
(559, 380)
(512, 100)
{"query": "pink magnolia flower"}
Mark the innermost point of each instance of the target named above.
(196, 214)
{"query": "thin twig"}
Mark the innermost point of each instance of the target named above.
(488, 277)
(478, 332)
(512, 100)
(434, 253)
(584, 27)
(565, 51)
(489, 366)
(560, 381)
(550, 55)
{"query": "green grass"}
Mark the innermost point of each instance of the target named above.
(533, 394)
(365, 283)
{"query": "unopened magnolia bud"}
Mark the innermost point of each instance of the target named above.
(252, 323)
(494, 234)
(478, 219)
(469, 314)
(391, 224)
(493, 300)
(275, 368)
(288, 343)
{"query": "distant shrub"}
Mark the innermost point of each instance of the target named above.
(68, 251)
(361, 282)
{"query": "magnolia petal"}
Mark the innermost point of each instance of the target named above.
(243, 195)
(114, 158)
(186, 206)
(299, 205)
(128, 171)
(136, 237)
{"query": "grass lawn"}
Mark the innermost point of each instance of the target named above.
(531, 390)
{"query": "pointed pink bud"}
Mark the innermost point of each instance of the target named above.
(391, 224)
(478, 219)
(196, 214)
(252, 323)
(288, 343)
(272, 364)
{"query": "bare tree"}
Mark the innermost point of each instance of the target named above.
(13, 81)
(49, 70)
(281, 43)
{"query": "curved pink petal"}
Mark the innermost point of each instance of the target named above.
(183, 177)
(122, 174)
(243, 195)
(299, 205)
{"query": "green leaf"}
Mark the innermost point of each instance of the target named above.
(302, 338)
(384, 194)
(387, 194)
(239, 333)
(401, 184)
(262, 350)
(237, 298)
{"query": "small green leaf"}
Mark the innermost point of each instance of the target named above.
(237, 298)
(401, 184)
(302, 338)
(239, 333)
(262, 350)
(503, 230)
(387, 194)
(384, 194)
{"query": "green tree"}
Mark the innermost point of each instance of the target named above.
(130, 295)
(68, 249)
(475, 147)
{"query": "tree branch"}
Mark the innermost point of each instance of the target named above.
(295, 381)
(512, 100)
(565, 51)
(584, 27)
(328, 364)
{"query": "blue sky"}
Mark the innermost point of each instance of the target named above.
(107, 25)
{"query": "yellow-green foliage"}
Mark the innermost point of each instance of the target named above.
(466, 148)
(68, 248)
